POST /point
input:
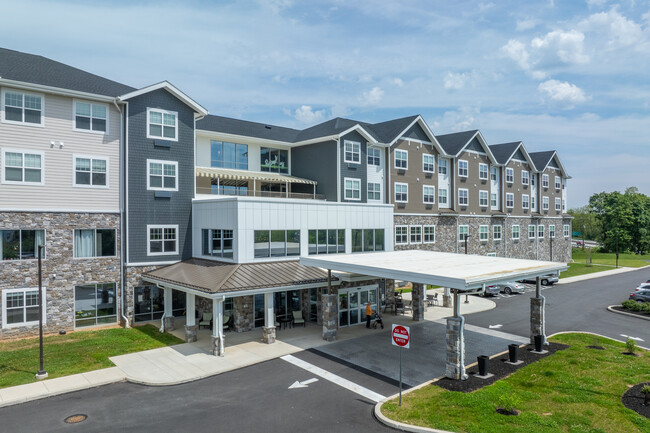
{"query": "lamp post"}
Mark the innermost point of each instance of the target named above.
(616, 249)
(42, 374)
(466, 237)
(583, 236)
(551, 245)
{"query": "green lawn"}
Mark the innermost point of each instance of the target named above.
(628, 260)
(76, 352)
(581, 269)
(574, 390)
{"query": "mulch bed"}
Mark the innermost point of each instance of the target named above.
(498, 368)
(633, 399)
(625, 310)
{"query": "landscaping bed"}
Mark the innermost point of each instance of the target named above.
(627, 310)
(76, 352)
(633, 399)
(576, 389)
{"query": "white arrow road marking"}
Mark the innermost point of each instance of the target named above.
(633, 338)
(303, 384)
(365, 392)
(495, 326)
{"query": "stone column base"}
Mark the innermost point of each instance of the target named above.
(330, 310)
(218, 346)
(417, 302)
(268, 334)
(455, 368)
(168, 321)
(190, 333)
(446, 301)
(537, 319)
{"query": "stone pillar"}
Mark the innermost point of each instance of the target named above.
(537, 319)
(446, 298)
(218, 344)
(330, 317)
(390, 293)
(455, 368)
(268, 331)
(319, 306)
(243, 313)
(168, 321)
(268, 334)
(417, 301)
(190, 333)
(190, 318)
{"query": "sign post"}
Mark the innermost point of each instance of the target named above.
(401, 337)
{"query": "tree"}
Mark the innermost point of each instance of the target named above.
(585, 221)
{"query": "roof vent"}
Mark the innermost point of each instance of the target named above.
(267, 126)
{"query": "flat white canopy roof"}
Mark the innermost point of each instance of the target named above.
(457, 271)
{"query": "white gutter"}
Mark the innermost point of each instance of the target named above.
(122, 216)
(56, 90)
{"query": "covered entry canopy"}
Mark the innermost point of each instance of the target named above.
(457, 271)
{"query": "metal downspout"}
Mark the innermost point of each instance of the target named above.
(122, 216)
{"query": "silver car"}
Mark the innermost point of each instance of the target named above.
(510, 287)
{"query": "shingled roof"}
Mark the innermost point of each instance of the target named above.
(454, 142)
(541, 159)
(503, 151)
(247, 129)
(33, 69)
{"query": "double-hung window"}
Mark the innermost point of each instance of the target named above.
(415, 234)
(401, 159)
(352, 189)
(401, 235)
(90, 171)
(442, 166)
(540, 231)
(20, 107)
(428, 194)
(510, 200)
(401, 192)
(162, 124)
(22, 167)
(218, 243)
(531, 231)
(442, 195)
(525, 177)
(463, 197)
(483, 171)
(162, 175)
(90, 117)
(429, 234)
(496, 232)
(558, 204)
(510, 175)
(533, 206)
(352, 152)
(462, 168)
(483, 233)
(21, 244)
(162, 240)
(493, 174)
(374, 191)
(94, 243)
(551, 231)
(493, 200)
(20, 307)
(558, 183)
(428, 163)
(515, 232)
(545, 181)
(525, 201)
(565, 229)
(483, 198)
(463, 231)
(374, 156)
(545, 203)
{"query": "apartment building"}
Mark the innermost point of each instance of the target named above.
(149, 208)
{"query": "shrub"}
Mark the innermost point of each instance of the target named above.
(646, 307)
(630, 305)
(509, 401)
(645, 389)
(630, 345)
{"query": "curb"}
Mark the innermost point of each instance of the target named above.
(593, 275)
(611, 308)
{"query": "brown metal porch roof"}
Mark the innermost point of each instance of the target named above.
(219, 277)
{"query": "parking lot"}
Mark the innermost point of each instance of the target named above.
(529, 288)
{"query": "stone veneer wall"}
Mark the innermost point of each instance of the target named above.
(524, 248)
(59, 260)
(133, 279)
(243, 313)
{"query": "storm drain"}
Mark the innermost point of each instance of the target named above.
(76, 419)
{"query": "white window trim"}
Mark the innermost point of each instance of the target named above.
(534, 231)
(558, 201)
(551, 226)
(395, 192)
(444, 162)
(558, 181)
(487, 198)
(487, 232)
(353, 143)
(158, 161)
(512, 232)
(369, 148)
(433, 164)
(13, 122)
(74, 117)
(566, 230)
(513, 200)
(525, 180)
(6, 325)
(512, 172)
(466, 170)
(395, 159)
(23, 152)
(353, 180)
(158, 110)
(161, 226)
(368, 192)
(459, 231)
(408, 233)
(500, 232)
(545, 181)
(487, 171)
(434, 234)
(91, 157)
(434, 194)
(74, 252)
(466, 190)
(525, 204)
(543, 234)
(446, 195)
(421, 235)
(545, 203)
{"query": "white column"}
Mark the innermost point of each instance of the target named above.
(190, 309)
(217, 327)
(268, 310)
(168, 302)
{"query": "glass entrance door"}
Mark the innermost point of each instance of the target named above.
(352, 305)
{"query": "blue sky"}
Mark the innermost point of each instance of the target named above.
(566, 75)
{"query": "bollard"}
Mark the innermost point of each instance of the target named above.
(513, 353)
(483, 363)
(539, 343)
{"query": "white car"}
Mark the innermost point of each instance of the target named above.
(510, 287)
(642, 286)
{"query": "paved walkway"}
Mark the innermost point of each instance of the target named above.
(192, 361)
(598, 274)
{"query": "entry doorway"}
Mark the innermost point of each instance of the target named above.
(352, 304)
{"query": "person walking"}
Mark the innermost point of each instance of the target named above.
(368, 315)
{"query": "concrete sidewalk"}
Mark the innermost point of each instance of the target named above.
(192, 361)
(598, 274)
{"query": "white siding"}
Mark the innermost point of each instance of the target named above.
(376, 173)
(58, 192)
(444, 182)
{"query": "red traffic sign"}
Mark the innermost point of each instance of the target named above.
(401, 336)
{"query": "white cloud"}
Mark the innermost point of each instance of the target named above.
(568, 47)
(527, 24)
(455, 81)
(562, 92)
(517, 51)
(485, 6)
(398, 82)
(305, 114)
(615, 28)
(596, 3)
(372, 97)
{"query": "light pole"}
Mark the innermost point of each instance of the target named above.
(617, 249)
(466, 237)
(551, 245)
(42, 374)
(583, 236)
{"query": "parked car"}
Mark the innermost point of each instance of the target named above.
(491, 291)
(547, 280)
(510, 287)
(643, 286)
(641, 296)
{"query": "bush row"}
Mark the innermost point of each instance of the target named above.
(635, 306)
